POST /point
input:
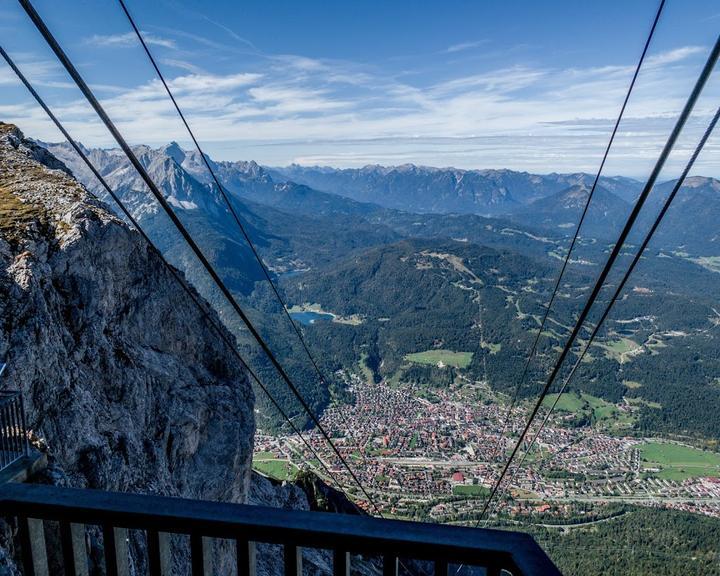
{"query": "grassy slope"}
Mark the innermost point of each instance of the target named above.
(598, 408)
(679, 462)
(447, 357)
(278, 469)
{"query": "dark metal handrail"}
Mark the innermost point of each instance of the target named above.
(13, 433)
(496, 550)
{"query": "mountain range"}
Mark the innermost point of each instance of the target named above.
(361, 242)
(381, 195)
(562, 210)
(446, 190)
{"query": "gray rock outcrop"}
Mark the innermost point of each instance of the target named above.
(126, 386)
(123, 380)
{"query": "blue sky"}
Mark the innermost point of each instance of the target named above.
(524, 85)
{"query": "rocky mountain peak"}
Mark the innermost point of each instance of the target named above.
(576, 195)
(173, 151)
(710, 184)
(250, 169)
(122, 376)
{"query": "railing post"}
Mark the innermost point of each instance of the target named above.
(159, 553)
(246, 560)
(441, 568)
(390, 565)
(4, 446)
(10, 430)
(293, 560)
(14, 428)
(17, 427)
(32, 545)
(201, 560)
(116, 551)
(23, 422)
(72, 539)
(341, 563)
(13, 437)
(7, 434)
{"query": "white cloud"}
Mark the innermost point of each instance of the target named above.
(462, 46)
(182, 65)
(196, 83)
(42, 73)
(499, 81)
(325, 111)
(301, 63)
(196, 38)
(232, 33)
(673, 56)
(128, 39)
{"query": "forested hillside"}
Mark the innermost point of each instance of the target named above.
(637, 543)
(423, 295)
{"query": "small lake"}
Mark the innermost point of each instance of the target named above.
(309, 317)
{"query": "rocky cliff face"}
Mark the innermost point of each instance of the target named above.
(125, 384)
(123, 379)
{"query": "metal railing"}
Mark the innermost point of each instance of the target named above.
(13, 433)
(444, 547)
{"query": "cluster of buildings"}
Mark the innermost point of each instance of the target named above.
(443, 455)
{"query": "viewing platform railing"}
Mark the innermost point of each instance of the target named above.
(35, 509)
(13, 434)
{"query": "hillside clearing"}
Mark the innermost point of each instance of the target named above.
(440, 356)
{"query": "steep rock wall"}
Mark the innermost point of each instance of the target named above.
(123, 380)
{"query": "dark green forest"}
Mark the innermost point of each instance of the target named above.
(639, 543)
(410, 303)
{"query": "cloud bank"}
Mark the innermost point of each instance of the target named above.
(291, 108)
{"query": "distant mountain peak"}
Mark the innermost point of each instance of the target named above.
(174, 151)
(702, 182)
(579, 191)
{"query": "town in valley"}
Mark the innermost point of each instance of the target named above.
(435, 456)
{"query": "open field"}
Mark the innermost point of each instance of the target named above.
(470, 490)
(491, 347)
(365, 369)
(620, 350)
(278, 469)
(632, 384)
(447, 357)
(263, 456)
(638, 401)
(678, 462)
(597, 408)
(414, 441)
(569, 402)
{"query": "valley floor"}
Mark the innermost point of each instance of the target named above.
(437, 459)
